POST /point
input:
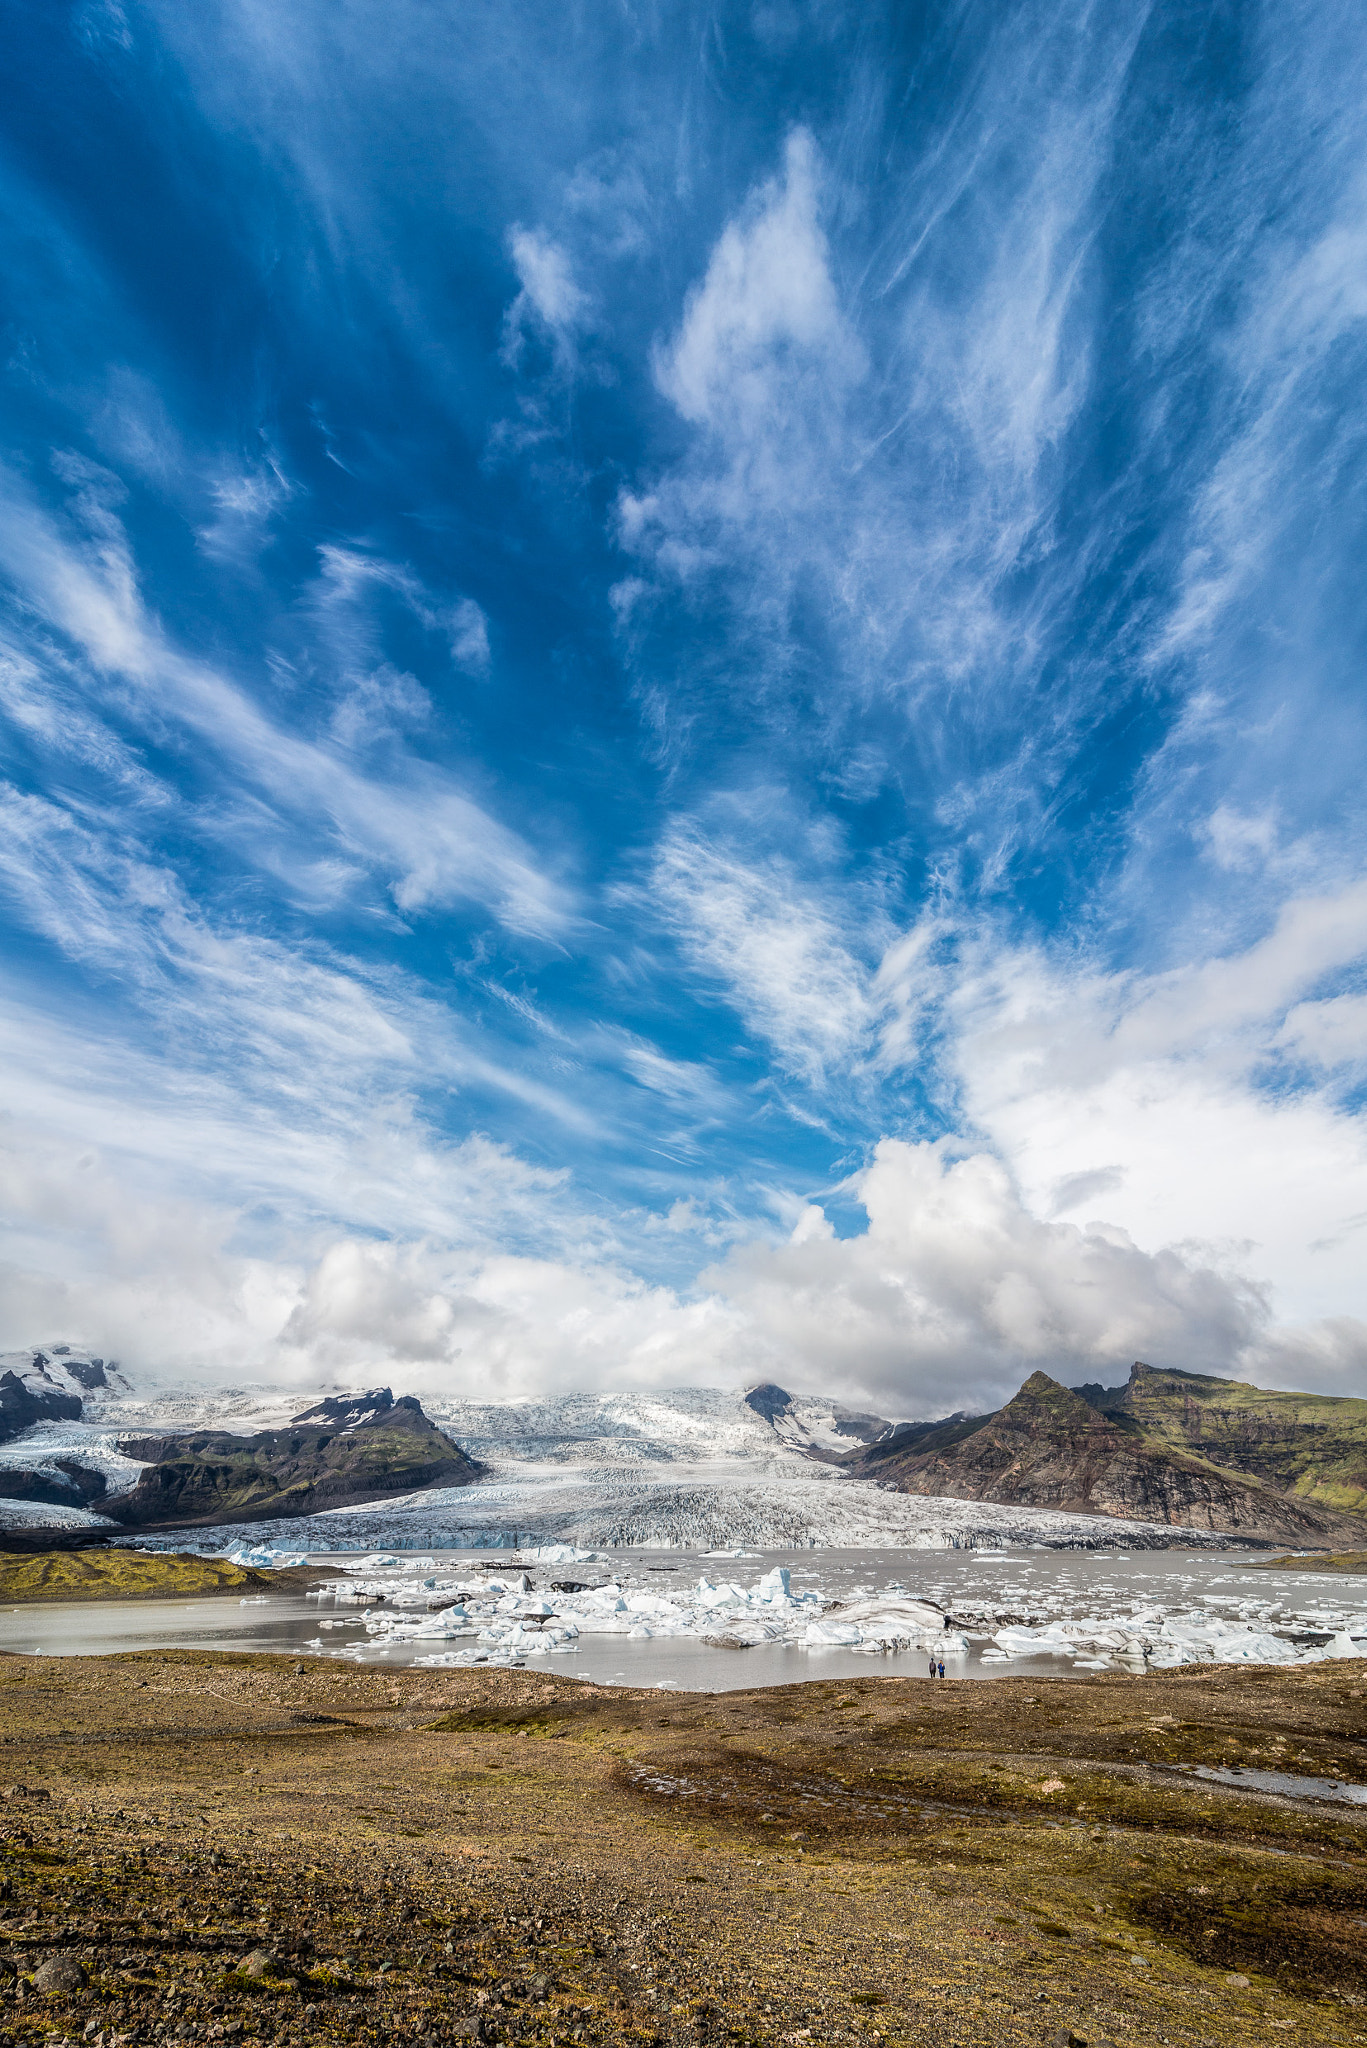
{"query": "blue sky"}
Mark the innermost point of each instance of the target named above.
(683, 691)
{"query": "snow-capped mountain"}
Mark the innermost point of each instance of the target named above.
(683, 1468)
(765, 1429)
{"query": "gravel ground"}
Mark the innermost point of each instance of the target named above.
(213, 1847)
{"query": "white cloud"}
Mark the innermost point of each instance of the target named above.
(504, 1325)
(430, 842)
(245, 502)
(550, 302)
(469, 636)
(341, 606)
(765, 314)
(543, 271)
(1299, 305)
(1330, 1034)
(756, 930)
(380, 706)
(1239, 842)
(1162, 1082)
(762, 361)
(956, 1291)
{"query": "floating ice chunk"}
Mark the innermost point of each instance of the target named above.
(828, 1632)
(896, 1612)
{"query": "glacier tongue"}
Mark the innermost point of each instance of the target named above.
(728, 1512)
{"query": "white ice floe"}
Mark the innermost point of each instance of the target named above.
(507, 1618)
(1164, 1641)
(505, 1622)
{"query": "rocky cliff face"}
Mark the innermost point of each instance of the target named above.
(1310, 1445)
(338, 1454)
(62, 1483)
(36, 1386)
(1050, 1448)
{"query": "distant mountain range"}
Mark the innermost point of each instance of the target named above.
(1182, 1448)
(1172, 1449)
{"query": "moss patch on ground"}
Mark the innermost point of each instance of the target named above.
(1340, 1561)
(236, 1849)
(127, 1575)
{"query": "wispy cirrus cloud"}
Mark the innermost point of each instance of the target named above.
(753, 929)
(446, 847)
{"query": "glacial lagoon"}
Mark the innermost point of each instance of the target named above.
(704, 1622)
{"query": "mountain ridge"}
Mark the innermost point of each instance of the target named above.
(1167, 1448)
(339, 1453)
(1163, 1448)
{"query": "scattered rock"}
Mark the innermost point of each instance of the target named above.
(60, 1975)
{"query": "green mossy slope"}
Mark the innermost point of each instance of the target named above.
(1312, 1445)
(122, 1575)
(1050, 1448)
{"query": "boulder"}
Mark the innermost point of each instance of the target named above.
(59, 1976)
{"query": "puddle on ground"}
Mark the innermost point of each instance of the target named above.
(1282, 1781)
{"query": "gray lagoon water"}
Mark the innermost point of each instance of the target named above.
(1299, 1610)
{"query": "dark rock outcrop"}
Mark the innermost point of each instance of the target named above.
(769, 1401)
(34, 1397)
(61, 1483)
(88, 1372)
(337, 1454)
(1050, 1448)
(857, 1423)
(775, 1406)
